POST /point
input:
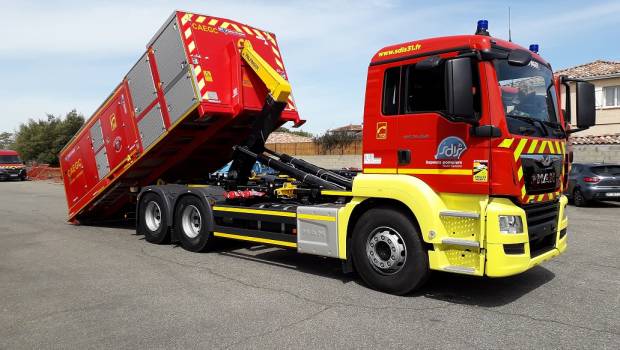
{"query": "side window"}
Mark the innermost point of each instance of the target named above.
(425, 90)
(574, 169)
(391, 91)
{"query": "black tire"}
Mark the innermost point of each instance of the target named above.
(578, 199)
(380, 223)
(190, 224)
(153, 219)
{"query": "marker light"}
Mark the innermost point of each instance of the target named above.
(534, 48)
(482, 28)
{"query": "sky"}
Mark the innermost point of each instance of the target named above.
(60, 55)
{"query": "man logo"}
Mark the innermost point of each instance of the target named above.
(451, 147)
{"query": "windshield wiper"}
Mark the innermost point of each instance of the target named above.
(556, 127)
(531, 121)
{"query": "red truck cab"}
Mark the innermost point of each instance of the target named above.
(11, 166)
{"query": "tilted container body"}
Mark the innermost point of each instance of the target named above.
(174, 117)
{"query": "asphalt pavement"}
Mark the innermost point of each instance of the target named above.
(65, 286)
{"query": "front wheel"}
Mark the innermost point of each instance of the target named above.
(388, 253)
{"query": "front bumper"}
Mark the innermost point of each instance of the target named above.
(510, 254)
(10, 174)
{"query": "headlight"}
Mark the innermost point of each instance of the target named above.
(510, 224)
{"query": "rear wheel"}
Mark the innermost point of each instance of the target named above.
(578, 199)
(153, 219)
(191, 224)
(388, 253)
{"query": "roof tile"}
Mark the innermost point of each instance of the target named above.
(598, 68)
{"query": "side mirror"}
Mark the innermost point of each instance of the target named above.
(459, 89)
(586, 109)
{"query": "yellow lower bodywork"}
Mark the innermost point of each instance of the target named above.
(462, 228)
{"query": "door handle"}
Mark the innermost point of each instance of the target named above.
(404, 156)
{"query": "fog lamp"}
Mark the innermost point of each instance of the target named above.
(510, 224)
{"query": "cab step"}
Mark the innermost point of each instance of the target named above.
(461, 242)
(460, 214)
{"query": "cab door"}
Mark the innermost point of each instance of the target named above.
(432, 147)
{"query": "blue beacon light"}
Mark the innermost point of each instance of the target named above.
(482, 28)
(534, 48)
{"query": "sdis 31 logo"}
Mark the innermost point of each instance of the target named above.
(451, 147)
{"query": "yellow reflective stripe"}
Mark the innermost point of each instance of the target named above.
(520, 173)
(530, 198)
(563, 147)
(247, 30)
(200, 19)
(519, 149)
(532, 148)
(316, 217)
(523, 192)
(186, 18)
(506, 143)
(380, 171)
(436, 171)
(236, 27)
(551, 148)
(255, 211)
(557, 147)
(212, 22)
(540, 197)
(336, 193)
(542, 146)
(255, 239)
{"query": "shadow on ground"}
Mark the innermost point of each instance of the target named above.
(453, 288)
(597, 204)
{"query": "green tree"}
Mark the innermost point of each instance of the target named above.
(295, 132)
(42, 140)
(331, 141)
(6, 140)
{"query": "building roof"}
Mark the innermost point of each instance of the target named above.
(608, 139)
(350, 127)
(286, 137)
(596, 69)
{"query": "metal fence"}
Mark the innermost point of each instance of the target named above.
(314, 149)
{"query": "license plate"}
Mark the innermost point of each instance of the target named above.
(612, 194)
(13, 175)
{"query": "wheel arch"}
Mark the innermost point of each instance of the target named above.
(405, 193)
(371, 203)
(164, 193)
(205, 197)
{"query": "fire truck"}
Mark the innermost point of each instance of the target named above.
(464, 155)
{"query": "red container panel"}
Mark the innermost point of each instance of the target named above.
(175, 116)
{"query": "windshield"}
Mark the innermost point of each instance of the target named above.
(529, 98)
(12, 159)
